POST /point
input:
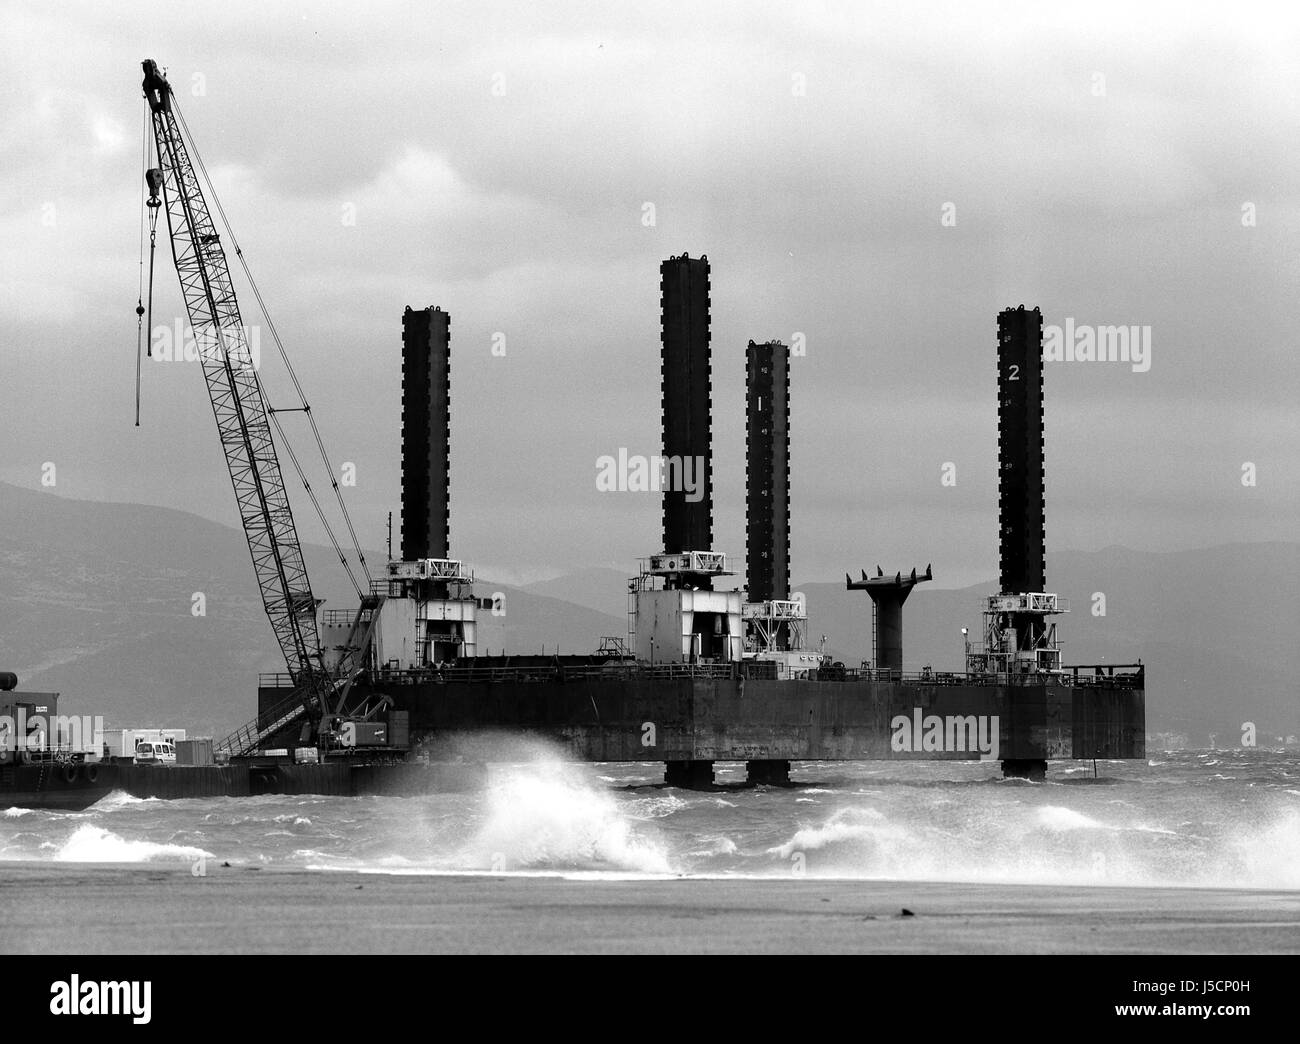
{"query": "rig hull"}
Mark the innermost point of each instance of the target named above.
(602, 718)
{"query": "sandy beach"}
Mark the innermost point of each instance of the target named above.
(84, 909)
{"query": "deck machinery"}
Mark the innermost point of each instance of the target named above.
(712, 673)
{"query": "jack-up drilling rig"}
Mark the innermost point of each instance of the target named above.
(244, 420)
(720, 677)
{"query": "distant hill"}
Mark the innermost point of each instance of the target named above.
(602, 589)
(95, 602)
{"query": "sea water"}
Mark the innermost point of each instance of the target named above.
(1196, 818)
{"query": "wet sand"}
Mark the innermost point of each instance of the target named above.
(83, 909)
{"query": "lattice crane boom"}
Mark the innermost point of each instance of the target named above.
(238, 404)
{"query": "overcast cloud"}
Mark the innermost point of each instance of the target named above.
(1099, 160)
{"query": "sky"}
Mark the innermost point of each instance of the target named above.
(874, 180)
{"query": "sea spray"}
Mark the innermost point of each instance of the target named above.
(546, 815)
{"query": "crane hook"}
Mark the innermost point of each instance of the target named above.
(154, 177)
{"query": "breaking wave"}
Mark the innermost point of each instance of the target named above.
(548, 816)
(92, 844)
(1047, 844)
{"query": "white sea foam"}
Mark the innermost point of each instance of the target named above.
(92, 844)
(717, 846)
(853, 824)
(658, 806)
(1054, 817)
(290, 817)
(1020, 841)
(120, 799)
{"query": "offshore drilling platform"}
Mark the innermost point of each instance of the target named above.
(713, 674)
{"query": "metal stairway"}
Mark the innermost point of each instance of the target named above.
(293, 708)
(250, 736)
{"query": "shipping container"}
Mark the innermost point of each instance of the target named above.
(194, 752)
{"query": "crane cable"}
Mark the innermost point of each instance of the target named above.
(302, 398)
(311, 493)
(139, 301)
(151, 206)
